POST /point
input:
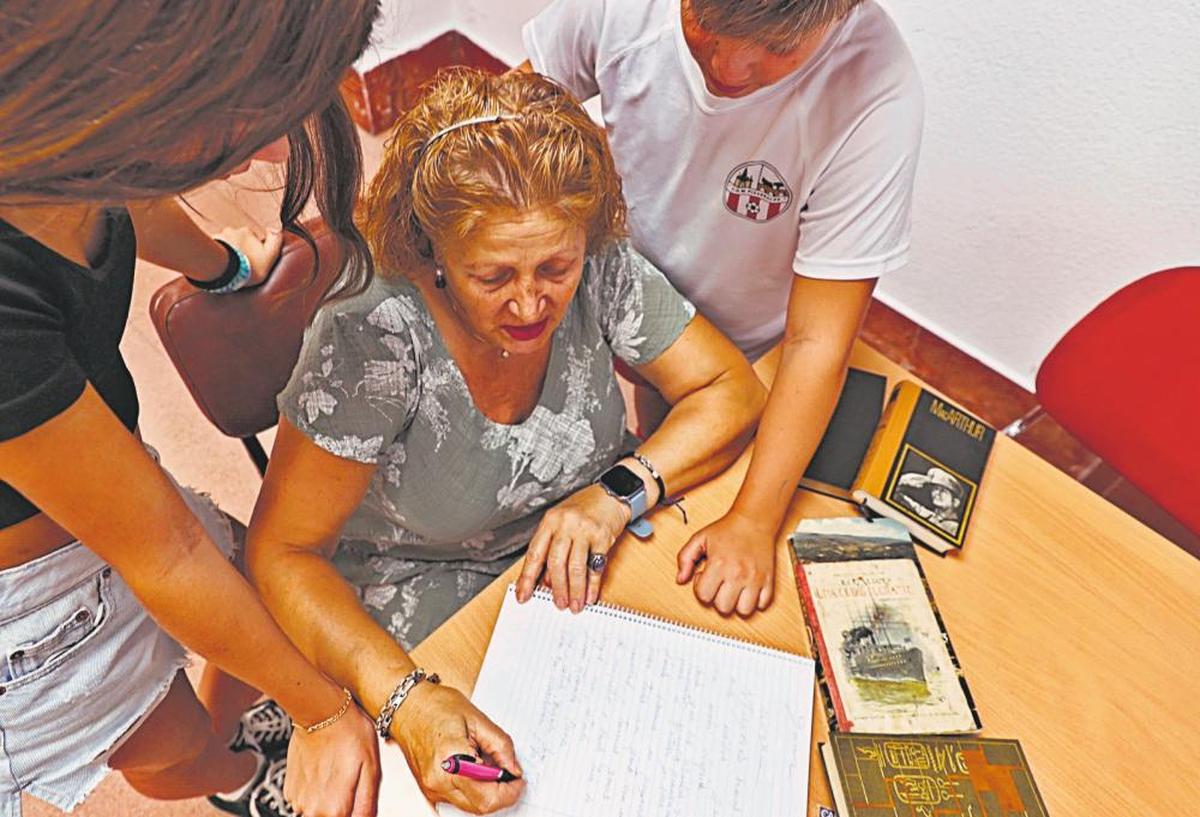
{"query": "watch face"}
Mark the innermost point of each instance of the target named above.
(621, 481)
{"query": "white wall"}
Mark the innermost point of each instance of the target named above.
(496, 24)
(1061, 161)
(1061, 157)
(404, 25)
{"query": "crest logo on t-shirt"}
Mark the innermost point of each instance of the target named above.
(757, 191)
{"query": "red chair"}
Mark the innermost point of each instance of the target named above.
(235, 352)
(1125, 381)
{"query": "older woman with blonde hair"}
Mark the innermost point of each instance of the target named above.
(463, 411)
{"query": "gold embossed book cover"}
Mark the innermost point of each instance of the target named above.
(894, 776)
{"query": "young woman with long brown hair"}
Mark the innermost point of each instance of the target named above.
(107, 567)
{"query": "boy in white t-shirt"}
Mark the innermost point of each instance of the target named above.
(767, 150)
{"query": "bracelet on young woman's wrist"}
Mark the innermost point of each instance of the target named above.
(236, 274)
(335, 717)
(383, 723)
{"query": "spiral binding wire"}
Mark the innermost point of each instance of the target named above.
(628, 614)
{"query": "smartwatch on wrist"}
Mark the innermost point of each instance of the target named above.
(623, 485)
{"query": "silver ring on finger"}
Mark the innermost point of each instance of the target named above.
(597, 562)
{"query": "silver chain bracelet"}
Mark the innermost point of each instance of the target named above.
(383, 724)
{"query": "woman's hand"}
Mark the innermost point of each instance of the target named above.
(587, 522)
(436, 722)
(262, 253)
(739, 565)
(334, 772)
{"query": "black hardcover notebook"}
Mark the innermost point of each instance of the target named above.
(838, 457)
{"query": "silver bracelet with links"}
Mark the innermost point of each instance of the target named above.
(383, 724)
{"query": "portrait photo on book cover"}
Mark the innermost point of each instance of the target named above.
(931, 493)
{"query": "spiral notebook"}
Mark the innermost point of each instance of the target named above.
(617, 714)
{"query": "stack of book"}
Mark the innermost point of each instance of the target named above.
(900, 712)
(919, 462)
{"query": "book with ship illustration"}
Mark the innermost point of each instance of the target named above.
(885, 663)
(890, 776)
(924, 466)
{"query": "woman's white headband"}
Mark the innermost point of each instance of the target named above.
(478, 120)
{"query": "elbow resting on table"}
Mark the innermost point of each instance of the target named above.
(754, 403)
(743, 409)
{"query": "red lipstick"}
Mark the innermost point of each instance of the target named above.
(528, 331)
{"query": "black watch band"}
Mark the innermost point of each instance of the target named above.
(658, 480)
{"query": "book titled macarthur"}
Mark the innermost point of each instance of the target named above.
(924, 466)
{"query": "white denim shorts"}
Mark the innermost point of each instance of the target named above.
(82, 665)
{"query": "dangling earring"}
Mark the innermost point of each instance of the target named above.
(439, 278)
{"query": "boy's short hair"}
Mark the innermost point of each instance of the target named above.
(778, 24)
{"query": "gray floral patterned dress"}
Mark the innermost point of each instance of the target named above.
(456, 497)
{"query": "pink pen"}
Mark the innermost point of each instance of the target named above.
(469, 767)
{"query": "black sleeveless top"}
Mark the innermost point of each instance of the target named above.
(60, 328)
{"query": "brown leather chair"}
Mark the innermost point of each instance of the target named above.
(235, 352)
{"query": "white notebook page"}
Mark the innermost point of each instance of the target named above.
(399, 794)
(614, 714)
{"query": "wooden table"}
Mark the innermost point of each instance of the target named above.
(1078, 628)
